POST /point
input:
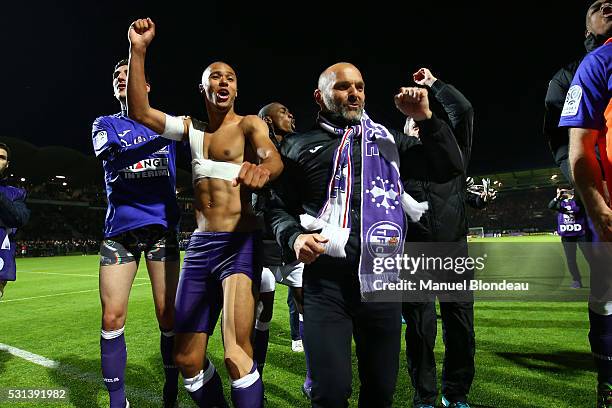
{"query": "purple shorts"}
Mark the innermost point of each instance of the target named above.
(211, 257)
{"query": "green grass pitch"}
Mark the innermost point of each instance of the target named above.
(528, 354)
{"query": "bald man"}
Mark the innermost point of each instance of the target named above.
(328, 169)
(232, 156)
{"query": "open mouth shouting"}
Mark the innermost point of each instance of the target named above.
(222, 95)
(606, 10)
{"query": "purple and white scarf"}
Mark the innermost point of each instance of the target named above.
(383, 200)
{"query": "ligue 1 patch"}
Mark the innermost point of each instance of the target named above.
(572, 101)
(6, 243)
(100, 139)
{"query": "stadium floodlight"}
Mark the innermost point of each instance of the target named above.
(60, 177)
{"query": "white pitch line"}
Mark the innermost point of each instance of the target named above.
(74, 372)
(61, 294)
(31, 357)
(70, 274)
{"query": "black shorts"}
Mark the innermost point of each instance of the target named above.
(155, 241)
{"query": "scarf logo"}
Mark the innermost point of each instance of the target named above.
(386, 192)
(383, 239)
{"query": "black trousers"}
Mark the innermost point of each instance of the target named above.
(460, 348)
(333, 315)
(569, 247)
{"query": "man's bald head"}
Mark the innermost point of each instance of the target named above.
(327, 77)
(216, 66)
(278, 117)
(269, 109)
(341, 90)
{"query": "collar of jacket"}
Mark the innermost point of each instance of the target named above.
(593, 41)
(337, 120)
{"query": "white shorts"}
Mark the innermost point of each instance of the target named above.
(290, 274)
(268, 282)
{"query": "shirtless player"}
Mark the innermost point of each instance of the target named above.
(220, 268)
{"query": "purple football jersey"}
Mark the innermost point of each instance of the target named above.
(7, 237)
(590, 92)
(139, 172)
(570, 223)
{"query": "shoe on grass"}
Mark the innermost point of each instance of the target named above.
(297, 346)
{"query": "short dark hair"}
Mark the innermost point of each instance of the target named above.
(126, 61)
(8, 151)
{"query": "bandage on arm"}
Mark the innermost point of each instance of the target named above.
(174, 128)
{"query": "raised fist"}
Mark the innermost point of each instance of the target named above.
(141, 33)
(424, 77)
(413, 102)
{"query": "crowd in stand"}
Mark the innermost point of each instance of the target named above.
(76, 226)
(520, 211)
(57, 247)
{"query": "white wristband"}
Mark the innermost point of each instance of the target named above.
(175, 128)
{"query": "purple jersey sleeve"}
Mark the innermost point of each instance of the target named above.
(588, 96)
(104, 136)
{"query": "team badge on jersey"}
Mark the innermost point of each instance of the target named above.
(572, 101)
(100, 139)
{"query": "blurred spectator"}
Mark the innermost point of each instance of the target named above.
(516, 211)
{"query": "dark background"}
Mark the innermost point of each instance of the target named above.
(58, 58)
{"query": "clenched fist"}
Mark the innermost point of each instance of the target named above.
(424, 77)
(252, 176)
(141, 33)
(413, 102)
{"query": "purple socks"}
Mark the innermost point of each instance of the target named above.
(248, 391)
(206, 389)
(114, 358)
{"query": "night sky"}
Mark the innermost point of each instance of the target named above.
(58, 61)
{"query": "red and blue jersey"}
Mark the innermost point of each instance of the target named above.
(588, 101)
(139, 173)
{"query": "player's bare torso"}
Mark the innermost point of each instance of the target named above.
(218, 205)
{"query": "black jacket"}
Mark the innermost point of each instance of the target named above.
(445, 221)
(271, 251)
(558, 138)
(307, 157)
